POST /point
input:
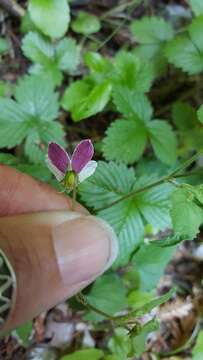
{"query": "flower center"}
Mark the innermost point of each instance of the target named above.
(70, 180)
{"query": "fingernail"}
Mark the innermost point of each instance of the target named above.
(85, 247)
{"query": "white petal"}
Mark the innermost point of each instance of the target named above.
(57, 173)
(87, 171)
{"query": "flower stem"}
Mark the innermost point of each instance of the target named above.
(74, 198)
(173, 175)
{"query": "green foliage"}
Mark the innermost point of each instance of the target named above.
(24, 332)
(107, 294)
(86, 354)
(4, 45)
(50, 16)
(51, 59)
(152, 33)
(186, 204)
(198, 348)
(85, 23)
(30, 117)
(88, 101)
(132, 134)
(197, 6)
(120, 344)
(111, 182)
(185, 50)
(150, 261)
(140, 339)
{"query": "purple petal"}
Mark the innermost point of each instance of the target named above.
(83, 153)
(58, 157)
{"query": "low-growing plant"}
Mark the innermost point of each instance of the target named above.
(148, 184)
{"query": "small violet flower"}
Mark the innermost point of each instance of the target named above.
(74, 170)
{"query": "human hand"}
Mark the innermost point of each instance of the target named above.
(53, 251)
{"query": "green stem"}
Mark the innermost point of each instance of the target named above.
(74, 198)
(117, 8)
(163, 179)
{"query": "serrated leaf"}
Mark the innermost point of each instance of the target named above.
(37, 49)
(151, 30)
(125, 141)
(131, 72)
(107, 294)
(67, 55)
(184, 115)
(86, 23)
(37, 96)
(186, 215)
(197, 6)
(50, 16)
(185, 51)
(86, 354)
(8, 159)
(14, 126)
(150, 262)
(163, 141)
(110, 183)
(131, 103)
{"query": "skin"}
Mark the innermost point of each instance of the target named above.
(54, 252)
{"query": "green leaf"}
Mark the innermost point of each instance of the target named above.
(200, 114)
(107, 294)
(139, 341)
(131, 72)
(150, 305)
(37, 49)
(85, 23)
(198, 348)
(37, 97)
(50, 16)
(131, 103)
(197, 6)
(8, 159)
(67, 55)
(186, 51)
(186, 215)
(125, 141)
(24, 332)
(151, 30)
(86, 354)
(120, 343)
(112, 182)
(163, 141)
(93, 103)
(184, 115)
(4, 46)
(74, 94)
(14, 127)
(150, 262)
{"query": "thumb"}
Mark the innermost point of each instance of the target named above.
(53, 256)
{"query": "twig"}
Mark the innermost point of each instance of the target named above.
(12, 7)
